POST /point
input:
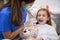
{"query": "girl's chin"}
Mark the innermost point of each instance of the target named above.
(41, 23)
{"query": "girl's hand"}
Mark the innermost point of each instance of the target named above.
(33, 39)
(39, 38)
(23, 39)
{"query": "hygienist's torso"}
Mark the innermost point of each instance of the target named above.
(5, 14)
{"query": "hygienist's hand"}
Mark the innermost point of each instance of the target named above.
(21, 28)
(28, 11)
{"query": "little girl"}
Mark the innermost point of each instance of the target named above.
(46, 31)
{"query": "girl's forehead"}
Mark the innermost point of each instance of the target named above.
(42, 12)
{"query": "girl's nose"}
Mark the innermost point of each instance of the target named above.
(40, 17)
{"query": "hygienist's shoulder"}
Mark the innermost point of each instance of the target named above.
(6, 10)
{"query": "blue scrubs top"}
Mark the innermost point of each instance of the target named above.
(5, 23)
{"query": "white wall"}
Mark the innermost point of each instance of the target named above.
(54, 5)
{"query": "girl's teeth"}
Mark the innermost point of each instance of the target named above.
(41, 20)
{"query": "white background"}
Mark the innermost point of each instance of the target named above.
(54, 5)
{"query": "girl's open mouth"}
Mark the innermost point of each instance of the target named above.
(40, 20)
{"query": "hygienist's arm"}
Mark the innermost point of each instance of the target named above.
(35, 7)
(12, 35)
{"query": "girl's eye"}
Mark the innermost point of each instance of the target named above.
(43, 15)
(39, 15)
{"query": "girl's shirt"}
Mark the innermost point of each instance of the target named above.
(5, 23)
(47, 32)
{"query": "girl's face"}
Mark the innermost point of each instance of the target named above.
(42, 17)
